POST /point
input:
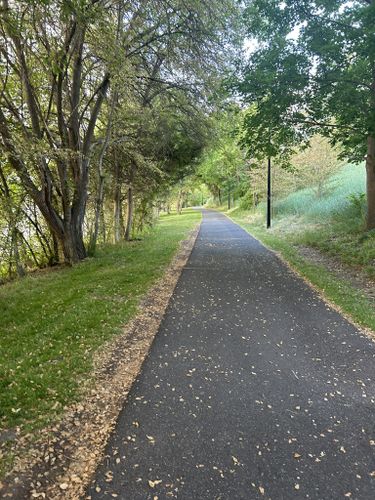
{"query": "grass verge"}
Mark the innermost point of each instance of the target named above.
(340, 292)
(52, 323)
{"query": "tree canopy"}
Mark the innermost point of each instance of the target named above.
(98, 95)
(313, 70)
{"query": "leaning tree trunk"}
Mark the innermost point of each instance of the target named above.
(370, 181)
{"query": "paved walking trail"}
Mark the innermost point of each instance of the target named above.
(254, 388)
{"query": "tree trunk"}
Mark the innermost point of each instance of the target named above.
(17, 261)
(102, 223)
(70, 246)
(370, 169)
(179, 203)
(98, 211)
(129, 214)
(77, 234)
(55, 257)
(117, 202)
(101, 177)
(117, 213)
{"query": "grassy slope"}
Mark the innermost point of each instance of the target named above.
(333, 225)
(51, 323)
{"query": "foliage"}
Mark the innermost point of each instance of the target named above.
(104, 103)
(357, 202)
(313, 70)
(333, 224)
(315, 165)
(311, 166)
(349, 181)
(222, 166)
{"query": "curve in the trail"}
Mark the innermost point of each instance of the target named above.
(253, 388)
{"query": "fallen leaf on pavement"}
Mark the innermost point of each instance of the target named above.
(152, 484)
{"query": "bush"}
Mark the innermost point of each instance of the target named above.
(247, 201)
(358, 204)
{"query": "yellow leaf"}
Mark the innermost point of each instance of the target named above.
(152, 484)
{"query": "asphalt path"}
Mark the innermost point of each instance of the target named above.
(254, 388)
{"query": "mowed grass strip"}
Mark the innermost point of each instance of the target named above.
(51, 323)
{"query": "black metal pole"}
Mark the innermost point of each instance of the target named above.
(269, 193)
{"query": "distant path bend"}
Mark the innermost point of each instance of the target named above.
(253, 388)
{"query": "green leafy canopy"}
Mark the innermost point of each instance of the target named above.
(313, 69)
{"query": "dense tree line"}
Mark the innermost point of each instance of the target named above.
(103, 105)
(232, 173)
(106, 106)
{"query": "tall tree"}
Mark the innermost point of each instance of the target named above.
(312, 69)
(50, 105)
(60, 60)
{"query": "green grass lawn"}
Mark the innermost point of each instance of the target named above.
(52, 322)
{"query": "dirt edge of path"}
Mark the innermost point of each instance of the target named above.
(355, 276)
(62, 463)
(362, 329)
